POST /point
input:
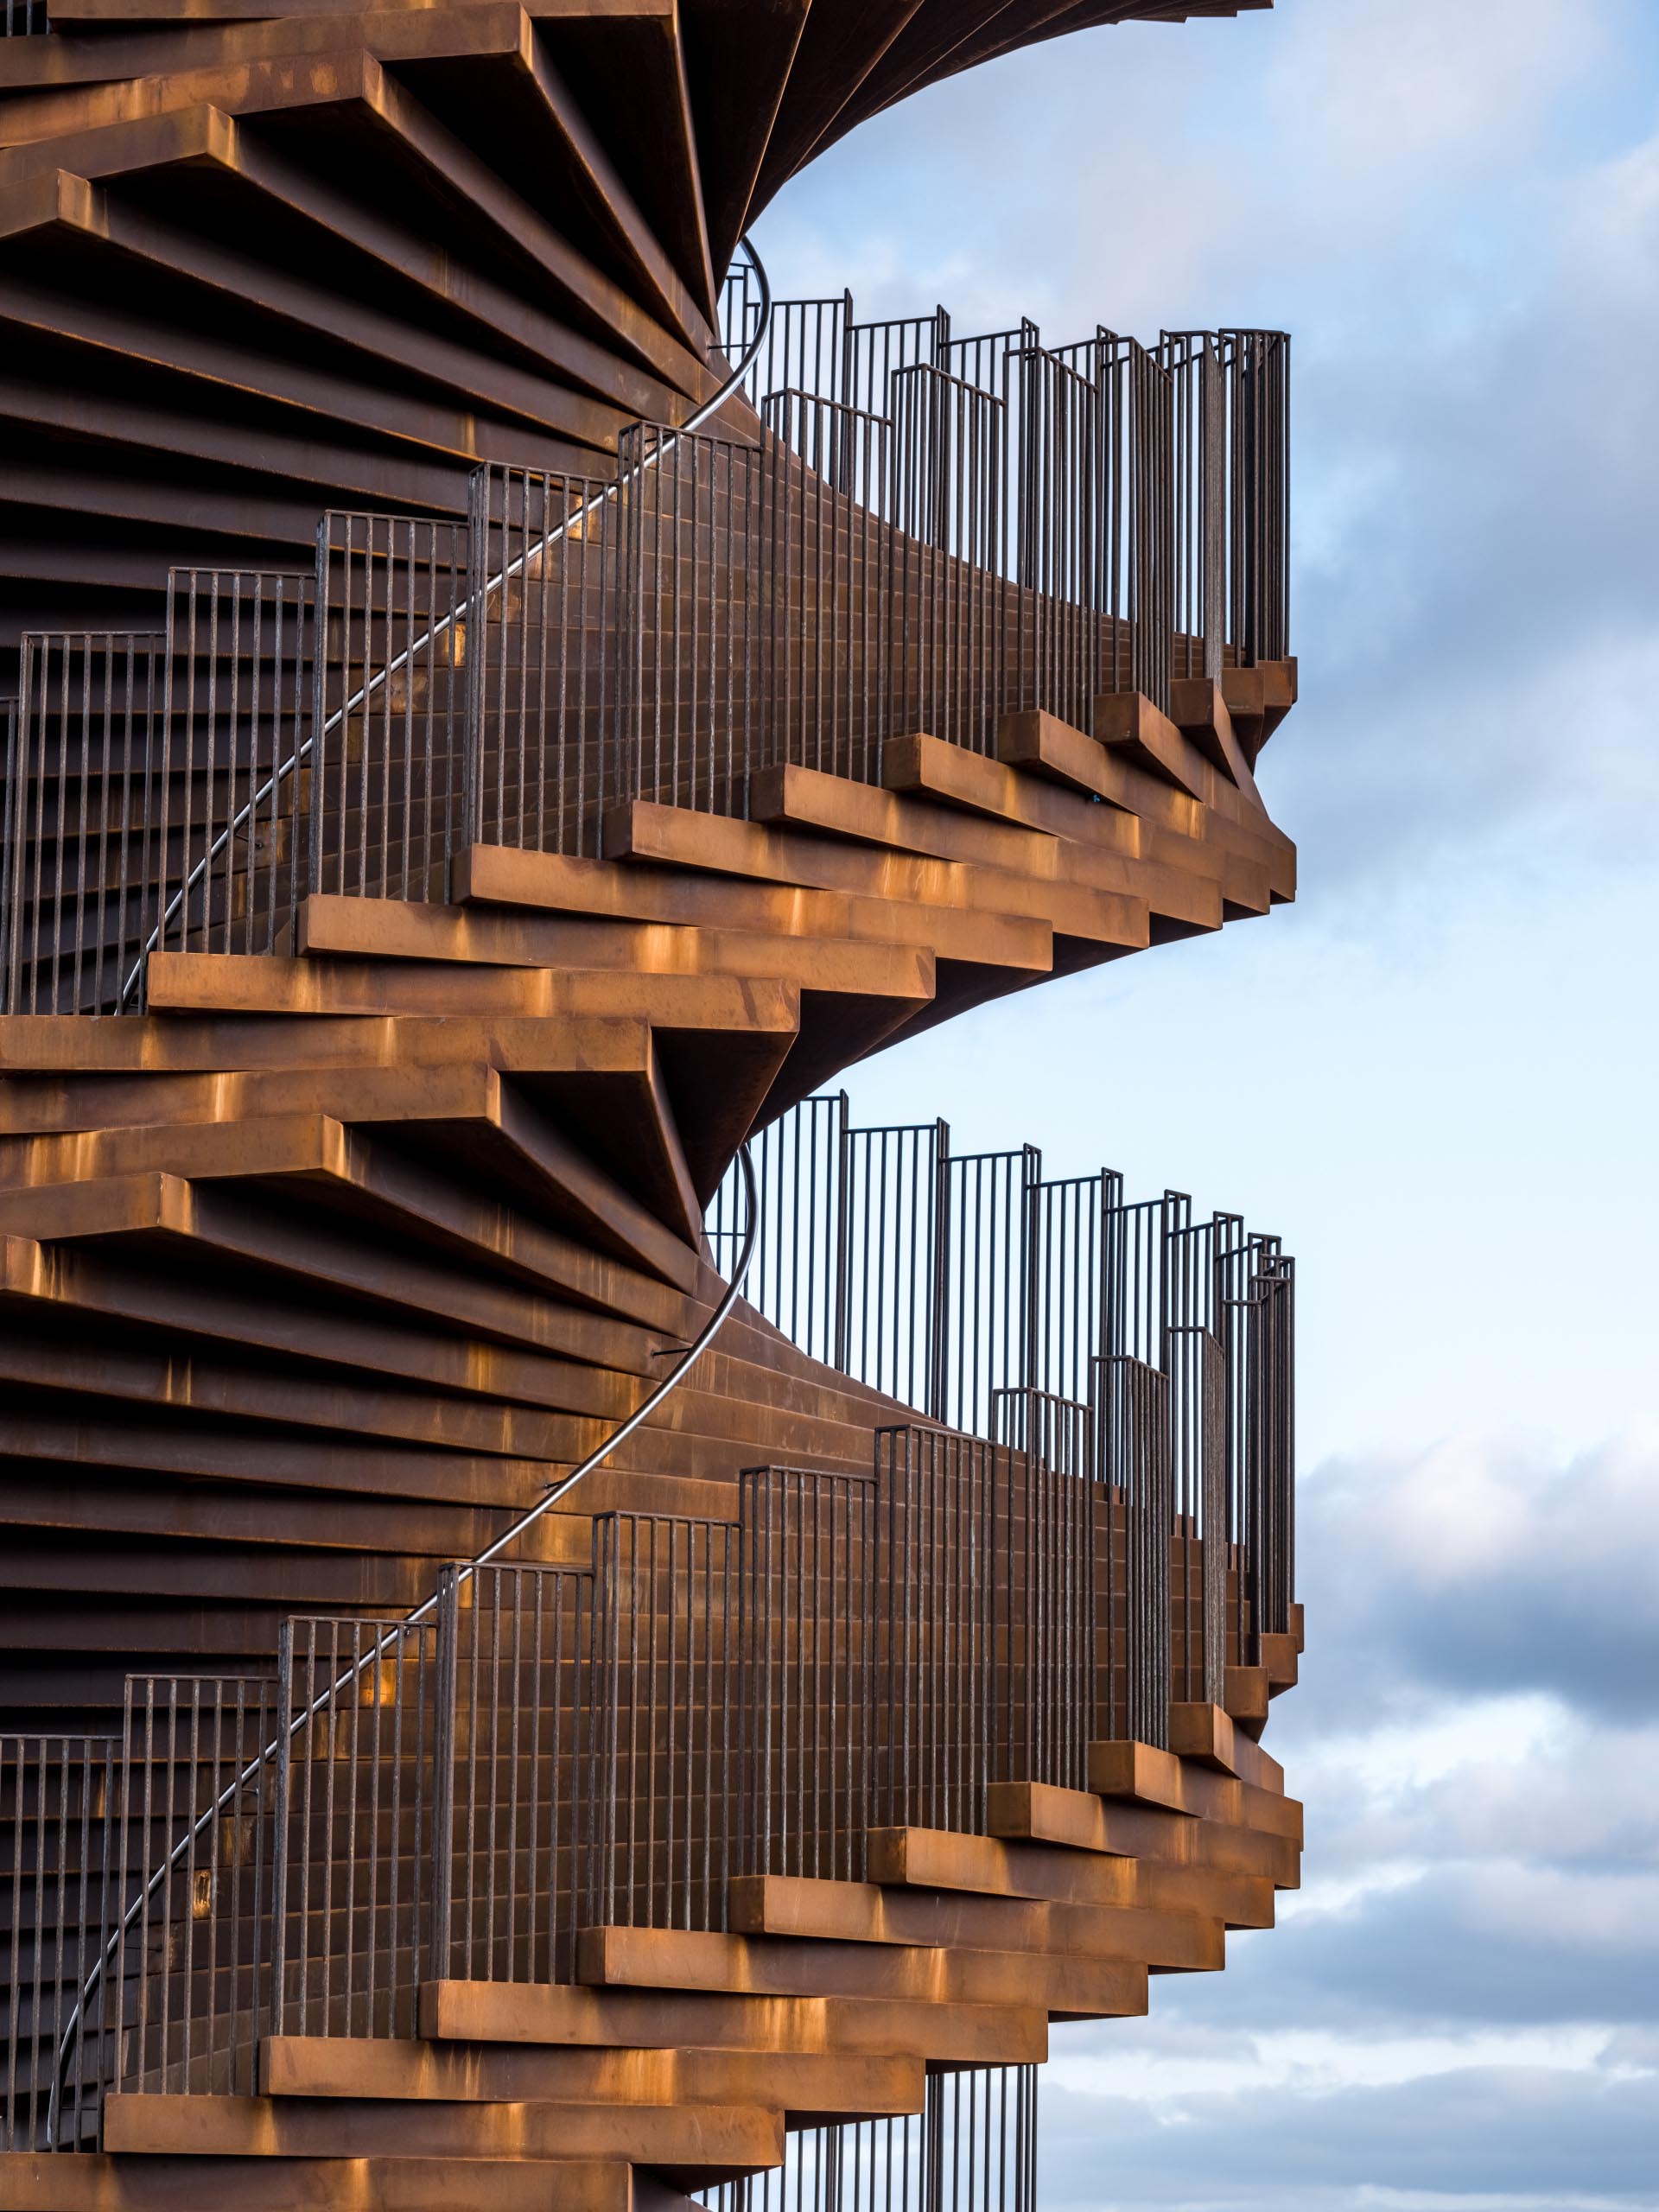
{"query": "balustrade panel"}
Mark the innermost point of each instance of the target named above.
(515, 1663)
(61, 1836)
(90, 853)
(356, 1744)
(194, 1967)
(387, 758)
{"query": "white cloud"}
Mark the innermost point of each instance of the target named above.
(1173, 2069)
(1390, 96)
(1450, 1067)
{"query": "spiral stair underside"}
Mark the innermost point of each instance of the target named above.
(315, 1275)
(257, 263)
(531, 1091)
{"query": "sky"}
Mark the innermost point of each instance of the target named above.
(1434, 1075)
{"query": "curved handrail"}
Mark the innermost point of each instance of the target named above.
(245, 813)
(424, 1612)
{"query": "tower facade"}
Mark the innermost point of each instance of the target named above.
(580, 1628)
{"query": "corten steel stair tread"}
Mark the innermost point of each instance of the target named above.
(637, 1118)
(352, 1187)
(1048, 777)
(945, 1859)
(1246, 1698)
(847, 2084)
(551, 1400)
(499, 2013)
(495, 876)
(781, 1966)
(1208, 1735)
(907, 1945)
(636, 1109)
(864, 821)
(840, 47)
(689, 1444)
(1257, 699)
(691, 857)
(864, 1912)
(1192, 844)
(719, 2140)
(269, 983)
(853, 992)
(1221, 823)
(1083, 1820)
(1280, 1662)
(245, 1291)
(938, 802)
(1146, 1776)
(325, 1404)
(942, 812)
(750, 1027)
(630, 65)
(815, 959)
(181, 1044)
(100, 2182)
(1198, 708)
(291, 1582)
(52, 1103)
(470, 1118)
(93, 61)
(850, 1000)
(1192, 746)
(556, 1396)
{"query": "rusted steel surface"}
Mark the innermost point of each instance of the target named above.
(488, 791)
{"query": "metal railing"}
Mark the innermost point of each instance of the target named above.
(824, 552)
(266, 1875)
(542, 1751)
(972, 1287)
(537, 1751)
(928, 533)
(541, 662)
(329, 731)
(688, 618)
(22, 18)
(60, 1851)
(387, 751)
(810, 1667)
(88, 845)
(972, 2148)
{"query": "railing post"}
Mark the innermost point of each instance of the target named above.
(16, 722)
(320, 706)
(1261, 494)
(938, 1338)
(443, 1751)
(1212, 415)
(843, 1230)
(477, 649)
(280, 1841)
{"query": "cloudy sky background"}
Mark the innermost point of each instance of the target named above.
(1435, 1074)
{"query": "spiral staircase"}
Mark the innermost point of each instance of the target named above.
(580, 1630)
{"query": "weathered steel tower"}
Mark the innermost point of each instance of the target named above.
(573, 1626)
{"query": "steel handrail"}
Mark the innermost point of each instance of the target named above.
(556, 1491)
(424, 1611)
(246, 812)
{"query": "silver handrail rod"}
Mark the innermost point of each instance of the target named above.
(245, 814)
(424, 1612)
